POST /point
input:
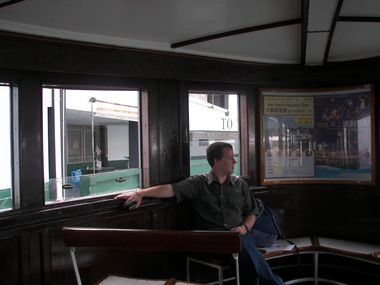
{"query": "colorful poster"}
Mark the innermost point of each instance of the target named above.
(288, 125)
(342, 136)
(317, 135)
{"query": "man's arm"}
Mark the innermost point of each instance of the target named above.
(247, 225)
(159, 191)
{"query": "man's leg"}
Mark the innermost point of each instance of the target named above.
(247, 270)
(264, 273)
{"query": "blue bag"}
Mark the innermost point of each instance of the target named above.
(75, 174)
(267, 228)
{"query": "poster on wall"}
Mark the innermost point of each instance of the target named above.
(288, 127)
(317, 136)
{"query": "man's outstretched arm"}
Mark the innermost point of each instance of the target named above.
(159, 191)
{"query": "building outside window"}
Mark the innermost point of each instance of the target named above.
(91, 142)
(212, 117)
(7, 160)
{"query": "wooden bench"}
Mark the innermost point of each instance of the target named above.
(139, 240)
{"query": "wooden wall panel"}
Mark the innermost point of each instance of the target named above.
(328, 211)
(169, 132)
(30, 141)
(10, 261)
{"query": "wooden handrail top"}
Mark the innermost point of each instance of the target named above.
(365, 251)
(153, 240)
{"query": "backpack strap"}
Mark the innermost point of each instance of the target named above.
(274, 217)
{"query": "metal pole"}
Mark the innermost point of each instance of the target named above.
(92, 100)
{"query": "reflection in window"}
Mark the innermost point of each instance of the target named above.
(91, 142)
(6, 189)
(212, 117)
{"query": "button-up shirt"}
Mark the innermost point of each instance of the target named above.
(216, 206)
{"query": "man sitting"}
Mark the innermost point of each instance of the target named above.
(220, 202)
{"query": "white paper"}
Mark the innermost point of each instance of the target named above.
(279, 245)
(117, 280)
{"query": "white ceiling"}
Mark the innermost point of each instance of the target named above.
(155, 25)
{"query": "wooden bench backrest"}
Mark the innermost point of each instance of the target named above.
(153, 240)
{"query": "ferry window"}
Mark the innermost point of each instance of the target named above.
(212, 117)
(91, 142)
(7, 160)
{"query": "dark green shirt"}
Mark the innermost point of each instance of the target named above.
(216, 206)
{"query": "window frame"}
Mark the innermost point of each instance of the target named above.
(14, 146)
(142, 92)
(246, 119)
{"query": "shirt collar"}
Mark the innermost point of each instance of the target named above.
(211, 178)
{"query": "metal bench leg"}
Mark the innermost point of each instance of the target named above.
(73, 259)
(236, 258)
(187, 269)
(220, 274)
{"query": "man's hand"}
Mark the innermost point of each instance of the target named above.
(241, 230)
(131, 198)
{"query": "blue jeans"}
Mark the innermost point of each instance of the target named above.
(250, 254)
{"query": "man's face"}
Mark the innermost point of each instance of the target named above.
(226, 164)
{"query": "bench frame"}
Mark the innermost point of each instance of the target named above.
(139, 240)
(315, 248)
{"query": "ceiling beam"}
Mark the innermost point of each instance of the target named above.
(305, 24)
(332, 29)
(359, 19)
(10, 2)
(236, 32)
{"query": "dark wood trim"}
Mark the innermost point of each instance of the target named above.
(10, 2)
(183, 100)
(169, 132)
(304, 30)
(153, 129)
(244, 138)
(332, 30)
(236, 32)
(25, 57)
(254, 149)
(30, 138)
(260, 145)
(144, 140)
(358, 19)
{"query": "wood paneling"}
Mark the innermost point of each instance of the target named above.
(332, 211)
(30, 141)
(10, 262)
(31, 244)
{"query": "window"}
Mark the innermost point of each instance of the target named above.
(7, 189)
(91, 142)
(220, 100)
(212, 117)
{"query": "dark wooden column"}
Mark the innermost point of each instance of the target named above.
(30, 148)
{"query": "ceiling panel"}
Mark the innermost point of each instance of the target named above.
(321, 13)
(360, 8)
(355, 41)
(275, 45)
(315, 48)
(163, 21)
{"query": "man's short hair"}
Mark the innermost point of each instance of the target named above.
(215, 151)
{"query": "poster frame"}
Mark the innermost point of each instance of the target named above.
(337, 175)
